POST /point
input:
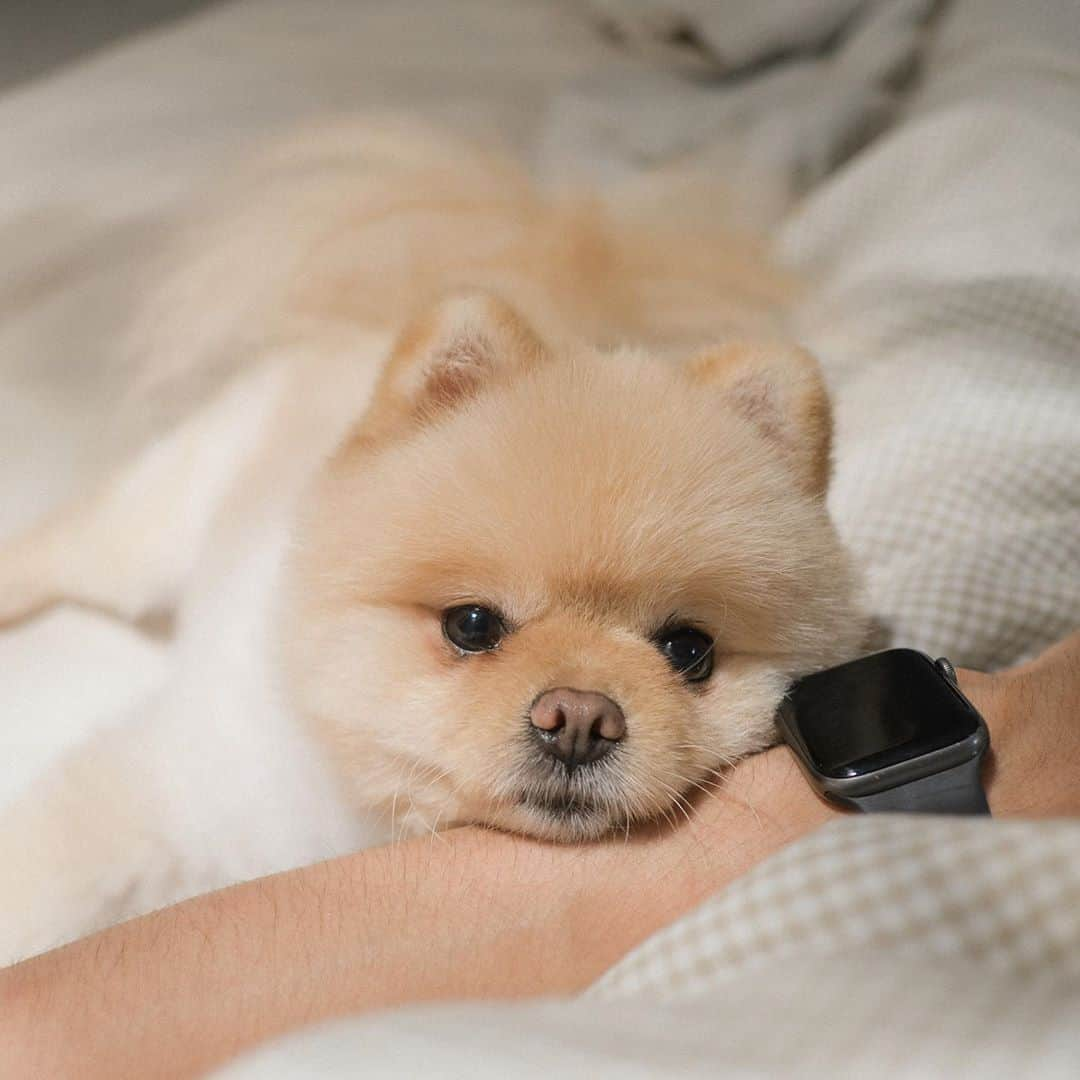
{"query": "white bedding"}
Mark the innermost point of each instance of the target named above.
(946, 308)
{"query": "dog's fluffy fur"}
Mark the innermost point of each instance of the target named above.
(426, 385)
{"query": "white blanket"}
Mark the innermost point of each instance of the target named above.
(945, 265)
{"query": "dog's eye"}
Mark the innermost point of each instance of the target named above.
(689, 651)
(472, 628)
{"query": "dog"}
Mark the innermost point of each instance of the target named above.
(491, 507)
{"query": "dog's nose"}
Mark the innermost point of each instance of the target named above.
(576, 726)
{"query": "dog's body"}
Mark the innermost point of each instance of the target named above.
(546, 567)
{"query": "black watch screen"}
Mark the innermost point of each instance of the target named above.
(895, 706)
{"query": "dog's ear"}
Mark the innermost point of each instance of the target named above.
(780, 390)
(446, 356)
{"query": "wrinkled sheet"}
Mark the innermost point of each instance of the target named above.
(944, 259)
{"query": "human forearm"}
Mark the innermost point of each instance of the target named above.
(171, 993)
(466, 914)
(1033, 712)
(470, 913)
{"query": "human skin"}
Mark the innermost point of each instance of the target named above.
(466, 914)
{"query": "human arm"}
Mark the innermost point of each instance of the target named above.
(471, 913)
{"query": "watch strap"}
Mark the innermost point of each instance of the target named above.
(957, 790)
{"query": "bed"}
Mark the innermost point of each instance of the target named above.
(940, 227)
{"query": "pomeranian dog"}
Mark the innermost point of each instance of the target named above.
(484, 513)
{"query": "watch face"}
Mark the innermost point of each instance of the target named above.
(878, 711)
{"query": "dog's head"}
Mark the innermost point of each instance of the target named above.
(553, 589)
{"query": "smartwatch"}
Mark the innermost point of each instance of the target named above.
(888, 732)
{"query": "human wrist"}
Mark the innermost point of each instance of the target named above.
(756, 809)
(623, 892)
(995, 699)
(1031, 712)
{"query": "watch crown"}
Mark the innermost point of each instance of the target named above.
(945, 667)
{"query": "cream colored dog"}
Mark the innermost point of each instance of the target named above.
(471, 525)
